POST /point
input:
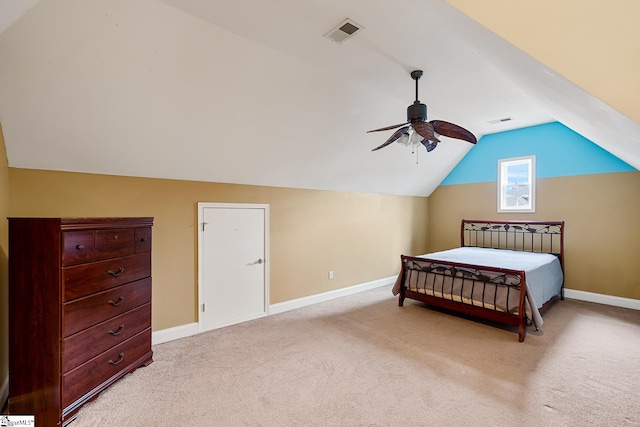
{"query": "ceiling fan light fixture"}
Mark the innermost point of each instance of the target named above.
(416, 138)
(404, 140)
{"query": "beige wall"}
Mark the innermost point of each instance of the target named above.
(358, 236)
(4, 247)
(602, 239)
(592, 43)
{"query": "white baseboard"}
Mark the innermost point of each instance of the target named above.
(4, 391)
(602, 299)
(177, 332)
(183, 331)
(327, 296)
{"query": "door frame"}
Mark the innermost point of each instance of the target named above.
(201, 207)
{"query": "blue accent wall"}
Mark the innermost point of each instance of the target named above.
(559, 152)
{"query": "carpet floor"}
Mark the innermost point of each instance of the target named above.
(363, 361)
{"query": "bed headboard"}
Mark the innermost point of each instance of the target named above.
(530, 236)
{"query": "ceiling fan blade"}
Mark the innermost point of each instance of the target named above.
(430, 146)
(425, 130)
(453, 131)
(396, 135)
(387, 128)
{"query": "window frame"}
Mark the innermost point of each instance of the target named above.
(503, 168)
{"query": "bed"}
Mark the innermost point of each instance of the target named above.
(509, 272)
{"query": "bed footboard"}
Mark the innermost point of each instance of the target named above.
(493, 294)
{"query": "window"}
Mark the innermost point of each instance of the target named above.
(517, 184)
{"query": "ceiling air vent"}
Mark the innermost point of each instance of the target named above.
(344, 31)
(496, 121)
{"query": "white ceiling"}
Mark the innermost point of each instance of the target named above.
(12, 10)
(249, 91)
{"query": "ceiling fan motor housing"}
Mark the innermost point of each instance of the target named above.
(417, 112)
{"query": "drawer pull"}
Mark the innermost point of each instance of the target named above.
(117, 362)
(118, 332)
(115, 304)
(143, 239)
(79, 247)
(116, 273)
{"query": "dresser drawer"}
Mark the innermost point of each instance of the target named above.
(142, 240)
(85, 279)
(89, 343)
(85, 312)
(114, 243)
(77, 247)
(96, 371)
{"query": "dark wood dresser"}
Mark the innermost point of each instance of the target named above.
(79, 310)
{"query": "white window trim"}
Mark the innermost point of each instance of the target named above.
(503, 164)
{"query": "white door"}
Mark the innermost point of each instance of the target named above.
(232, 264)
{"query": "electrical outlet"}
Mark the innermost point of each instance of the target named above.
(331, 275)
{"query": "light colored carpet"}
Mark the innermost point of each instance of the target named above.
(363, 361)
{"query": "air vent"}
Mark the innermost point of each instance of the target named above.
(344, 31)
(496, 121)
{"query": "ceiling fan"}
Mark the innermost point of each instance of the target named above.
(417, 130)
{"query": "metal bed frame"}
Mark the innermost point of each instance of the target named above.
(530, 236)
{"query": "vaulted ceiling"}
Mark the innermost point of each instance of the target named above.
(250, 92)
